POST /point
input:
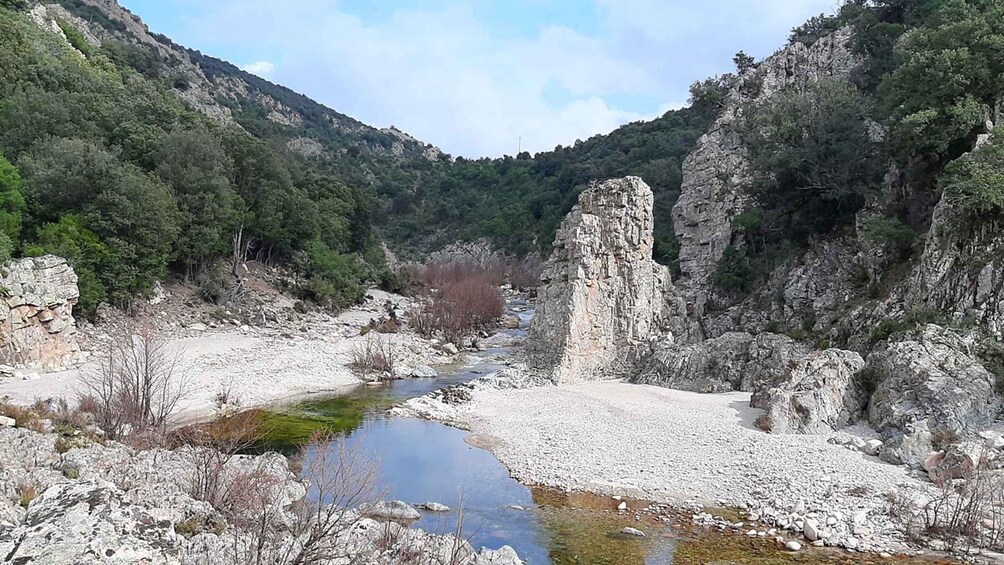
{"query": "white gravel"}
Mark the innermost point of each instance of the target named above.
(680, 447)
(259, 366)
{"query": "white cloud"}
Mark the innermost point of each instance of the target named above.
(264, 69)
(442, 75)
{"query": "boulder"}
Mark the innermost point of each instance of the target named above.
(434, 507)
(959, 461)
(603, 296)
(391, 510)
(931, 376)
(74, 522)
(424, 372)
(819, 395)
(37, 328)
(734, 361)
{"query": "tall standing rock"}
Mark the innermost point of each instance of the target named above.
(603, 295)
(37, 328)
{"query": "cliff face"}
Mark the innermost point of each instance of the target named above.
(603, 296)
(713, 174)
(36, 315)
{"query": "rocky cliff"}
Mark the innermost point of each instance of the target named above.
(36, 315)
(603, 296)
(711, 195)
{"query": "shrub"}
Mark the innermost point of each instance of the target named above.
(969, 512)
(464, 298)
(27, 492)
(137, 388)
(374, 356)
(889, 232)
(975, 181)
(733, 273)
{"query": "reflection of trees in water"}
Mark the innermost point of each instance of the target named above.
(579, 533)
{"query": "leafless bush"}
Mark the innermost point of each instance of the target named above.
(374, 356)
(315, 529)
(525, 274)
(969, 512)
(212, 447)
(137, 388)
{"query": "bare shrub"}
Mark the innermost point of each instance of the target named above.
(137, 387)
(26, 493)
(315, 529)
(212, 447)
(969, 512)
(374, 356)
(464, 298)
(525, 274)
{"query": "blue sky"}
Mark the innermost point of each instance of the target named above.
(473, 76)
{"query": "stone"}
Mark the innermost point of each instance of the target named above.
(811, 530)
(7, 422)
(198, 327)
(733, 361)
(622, 506)
(932, 376)
(603, 296)
(873, 446)
(37, 328)
(632, 532)
(958, 461)
(819, 395)
(793, 546)
(434, 507)
(391, 510)
(450, 349)
(424, 372)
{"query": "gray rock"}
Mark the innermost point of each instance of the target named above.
(793, 546)
(36, 315)
(7, 422)
(603, 296)
(873, 446)
(434, 507)
(629, 531)
(734, 361)
(932, 376)
(819, 395)
(504, 555)
(424, 372)
(391, 510)
(811, 530)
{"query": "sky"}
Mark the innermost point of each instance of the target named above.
(485, 77)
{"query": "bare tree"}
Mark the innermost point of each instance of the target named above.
(314, 530)
(137, 387)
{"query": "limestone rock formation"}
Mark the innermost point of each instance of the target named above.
(931, 377)
(820, 394)
(961, 271)
(603, 295)
(714, 172)
(36, 315)
(733, 361)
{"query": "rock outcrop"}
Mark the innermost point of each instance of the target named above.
(961, 272)
(36, 315)
(603, 296)
(715, 171)
(733, 361)
(112, 504)
(933, 379)
(819, 394)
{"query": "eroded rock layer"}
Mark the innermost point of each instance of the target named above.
(36, 316)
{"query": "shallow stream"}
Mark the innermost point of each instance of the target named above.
(422, 461)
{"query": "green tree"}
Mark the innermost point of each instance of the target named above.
(812, 159)
(12, 203)
(975, 181)
(194, 164)
(85, 252)
(950, 77)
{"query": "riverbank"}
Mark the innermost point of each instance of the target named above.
(253, 366)
(689, 450)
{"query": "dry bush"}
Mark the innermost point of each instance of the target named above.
(212, 447)
(315, 529)
(137, 388)
(374, 356)
(460, 309)
(525, 274)
(969, 512)
(26, 493)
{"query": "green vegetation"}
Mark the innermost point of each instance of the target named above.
(975, 181)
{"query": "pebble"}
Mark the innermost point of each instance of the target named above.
(632, 532)
(793, 546)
